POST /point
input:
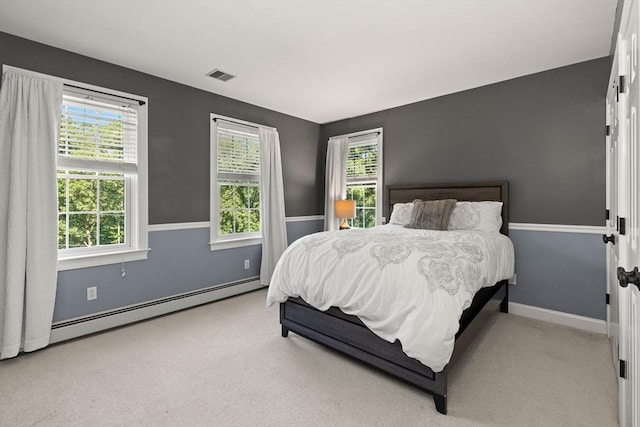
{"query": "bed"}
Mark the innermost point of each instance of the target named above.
(348, 334)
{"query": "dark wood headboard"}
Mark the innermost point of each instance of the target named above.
(496, 191)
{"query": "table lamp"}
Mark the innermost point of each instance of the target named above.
(345, 209)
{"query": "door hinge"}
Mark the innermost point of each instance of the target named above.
(623, 227)
(622, 83)
(608, 130)
(608, 298)
(623, 368)
(607, 213)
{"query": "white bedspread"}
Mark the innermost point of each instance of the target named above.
(405, 284)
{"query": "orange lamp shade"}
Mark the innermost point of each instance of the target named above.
(345, 208)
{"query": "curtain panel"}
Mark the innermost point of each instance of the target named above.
(335, 179)
(29, 125)
(274, 231)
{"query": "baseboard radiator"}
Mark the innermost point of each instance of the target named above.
(77, 327)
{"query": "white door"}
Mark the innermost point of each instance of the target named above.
(629, 212)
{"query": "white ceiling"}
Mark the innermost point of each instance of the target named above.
(324, 60)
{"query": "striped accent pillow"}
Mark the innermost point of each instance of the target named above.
(432, 214)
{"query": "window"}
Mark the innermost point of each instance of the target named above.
(235, 176)
(362, 181)
(102, 215)
(364, 177)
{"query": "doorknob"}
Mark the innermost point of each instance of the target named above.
(606, 239)
(626, 277)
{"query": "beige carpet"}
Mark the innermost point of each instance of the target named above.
(225, 364)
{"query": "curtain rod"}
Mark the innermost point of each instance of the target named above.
(376, 131)
(241, 123)
(237, 123)
(105, 93)
(365, 134)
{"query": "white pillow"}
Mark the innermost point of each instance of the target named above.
(401, 213)
(477, 216)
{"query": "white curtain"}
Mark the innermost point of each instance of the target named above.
(272, 222)
(335, 179)
(29, 125)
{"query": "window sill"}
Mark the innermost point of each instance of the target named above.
(101, 258)
(235, 243)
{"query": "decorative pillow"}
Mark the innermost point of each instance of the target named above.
(478, 216)
(432, 214)
(401, 213)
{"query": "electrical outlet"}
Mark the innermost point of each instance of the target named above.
(512, 281)
(247, 263)
(92, 293)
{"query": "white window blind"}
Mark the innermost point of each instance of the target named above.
(362, 161)
(238, 152)
(98, 134)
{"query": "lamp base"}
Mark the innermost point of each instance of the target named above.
(344, 225)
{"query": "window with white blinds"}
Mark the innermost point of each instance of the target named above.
(362, 161)
(364, 183)
(98, 132)
(100, 209)
(236, 187)
(238, 152)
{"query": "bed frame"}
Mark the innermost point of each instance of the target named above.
(348, 335)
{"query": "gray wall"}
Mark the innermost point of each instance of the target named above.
(179, 132)
(542, 132)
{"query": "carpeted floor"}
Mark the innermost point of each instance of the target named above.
(225, 364)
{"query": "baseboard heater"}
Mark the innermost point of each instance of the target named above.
(73, 328)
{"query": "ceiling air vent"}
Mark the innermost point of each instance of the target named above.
(220, 75)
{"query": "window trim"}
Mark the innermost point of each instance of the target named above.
(379, 180)
(138, 248)
(217, 242)
(102, 258)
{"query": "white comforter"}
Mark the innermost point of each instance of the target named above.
(405, 284)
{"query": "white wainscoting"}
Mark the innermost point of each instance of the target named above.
(178, 226)
(206, 224)
(558, 228)
(304, 218)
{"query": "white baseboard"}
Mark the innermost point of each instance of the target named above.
(78, 327)
(567, 319)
